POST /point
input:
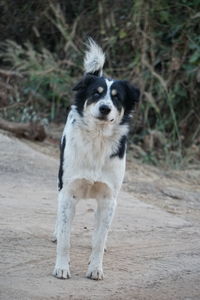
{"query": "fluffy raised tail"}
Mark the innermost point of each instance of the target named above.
(94, 59)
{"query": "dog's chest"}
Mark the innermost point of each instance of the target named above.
(88, 154)
(93, 150)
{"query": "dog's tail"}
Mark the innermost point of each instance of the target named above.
(94, 59)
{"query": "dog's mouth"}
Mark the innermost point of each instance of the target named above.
(104, 119)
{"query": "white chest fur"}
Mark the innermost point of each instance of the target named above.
(88, 151)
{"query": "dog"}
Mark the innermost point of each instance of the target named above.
(92, 157)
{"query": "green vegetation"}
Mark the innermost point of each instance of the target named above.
(155, 44)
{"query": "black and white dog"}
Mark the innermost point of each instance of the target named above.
(92, 161)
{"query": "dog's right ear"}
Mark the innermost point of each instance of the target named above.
(85, 81)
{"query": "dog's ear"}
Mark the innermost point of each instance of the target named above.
(131, 96)
(132, 93)
(84, 82)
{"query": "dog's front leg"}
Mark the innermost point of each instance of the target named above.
(105, 212)
(54, 237)
(66, 211)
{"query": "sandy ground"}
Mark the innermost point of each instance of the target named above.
(153, 247)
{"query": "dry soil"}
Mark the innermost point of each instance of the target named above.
(153, 247)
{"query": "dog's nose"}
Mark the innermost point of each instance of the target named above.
(104, 109)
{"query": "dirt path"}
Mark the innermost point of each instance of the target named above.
(153, 247)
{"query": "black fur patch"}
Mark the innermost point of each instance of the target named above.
(121, 148)
(87, 90)
(126, 97)
(118, 99)
(60, 172)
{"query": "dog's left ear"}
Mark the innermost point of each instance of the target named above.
(80, 85)
(87, 79)
(132, 93)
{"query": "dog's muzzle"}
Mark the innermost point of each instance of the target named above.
(104, 110)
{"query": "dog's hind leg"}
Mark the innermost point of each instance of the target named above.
(105, 212)
(66, 211)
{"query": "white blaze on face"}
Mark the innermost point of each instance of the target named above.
(106, 100)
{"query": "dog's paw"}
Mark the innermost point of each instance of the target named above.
(62, 273)
(95, 273)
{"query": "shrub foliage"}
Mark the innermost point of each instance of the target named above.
(155, 44)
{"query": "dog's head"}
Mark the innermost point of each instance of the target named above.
(100, 98)
(104, 99)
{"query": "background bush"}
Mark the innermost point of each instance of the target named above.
(155, 44)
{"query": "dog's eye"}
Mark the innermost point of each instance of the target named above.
(96, 94)
(116, 97)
